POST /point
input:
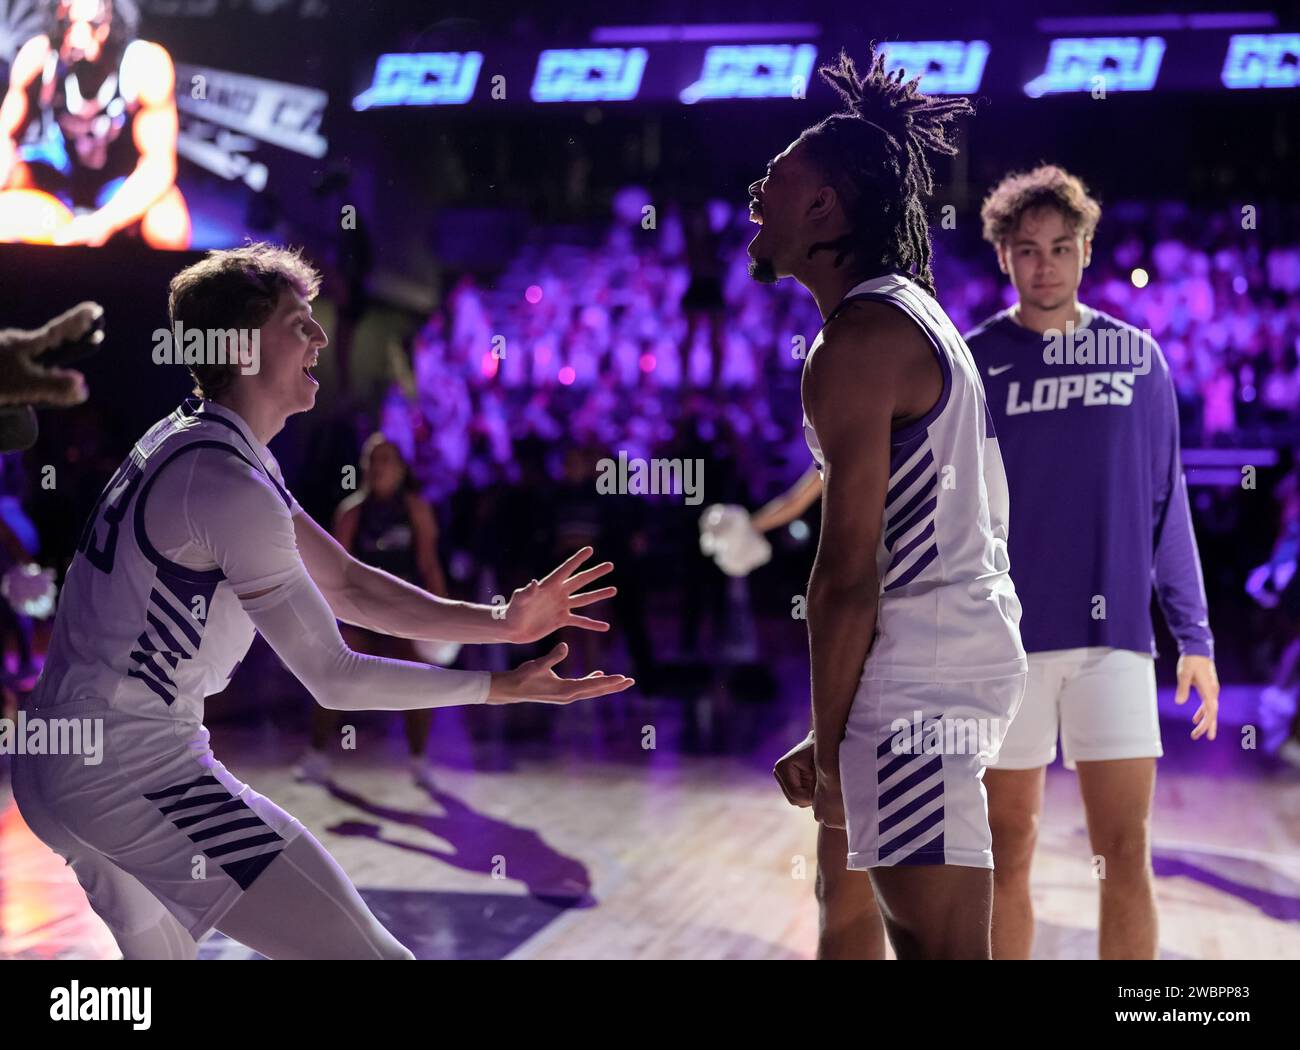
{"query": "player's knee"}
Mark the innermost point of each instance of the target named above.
(939, 936)
(844, 889)
(848, 915)
(163, 940)
(1123, 850)
(1014, 838)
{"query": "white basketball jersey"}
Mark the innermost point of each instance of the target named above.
(151, 636)
(948, 609)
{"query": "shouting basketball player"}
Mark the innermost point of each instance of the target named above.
(194, 545)
(912, 615)
(1091, 533)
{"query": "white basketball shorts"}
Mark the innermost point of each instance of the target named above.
(912, 769)
(159, 823)
(1101, 701)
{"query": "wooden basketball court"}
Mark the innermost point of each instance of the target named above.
(669, 856)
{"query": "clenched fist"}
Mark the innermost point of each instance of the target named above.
(795, 773)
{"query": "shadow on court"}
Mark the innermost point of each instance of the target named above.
(479, 843)
(441, 924)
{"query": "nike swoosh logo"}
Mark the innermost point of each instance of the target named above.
(999, 370)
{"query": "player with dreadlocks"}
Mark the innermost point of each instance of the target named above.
(913, 621)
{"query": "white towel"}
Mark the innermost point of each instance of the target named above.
(728, 537)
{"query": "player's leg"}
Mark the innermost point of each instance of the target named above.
(931, 860)
(1015, 805)
(1014, 783)
(938, 911)
(849, 921)
(139, 922)
(1117, 799)
(916, 808)
(142, 927)
(303, 906)
(166, 939)
(1110, 732)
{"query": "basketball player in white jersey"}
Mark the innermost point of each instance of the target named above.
(194, 545)
(913, 622)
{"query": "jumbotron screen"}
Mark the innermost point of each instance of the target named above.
(111, 131)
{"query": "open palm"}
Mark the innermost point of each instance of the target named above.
(547, 605)
(535, 681)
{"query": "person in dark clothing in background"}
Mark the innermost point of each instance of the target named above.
(387, 524)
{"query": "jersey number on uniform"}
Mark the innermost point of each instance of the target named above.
(113, 502)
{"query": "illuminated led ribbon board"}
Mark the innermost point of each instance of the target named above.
(695, 73)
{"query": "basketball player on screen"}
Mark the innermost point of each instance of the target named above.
(195, 545)
(911, 607)
(88, 132)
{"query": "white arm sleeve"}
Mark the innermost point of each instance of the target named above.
(238, 520)
(298, 624)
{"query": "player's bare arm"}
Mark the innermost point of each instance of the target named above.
(874, 369)
(367, 597)
(793, 770)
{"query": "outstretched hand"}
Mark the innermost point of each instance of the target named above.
(546, 605)
(536, 681)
